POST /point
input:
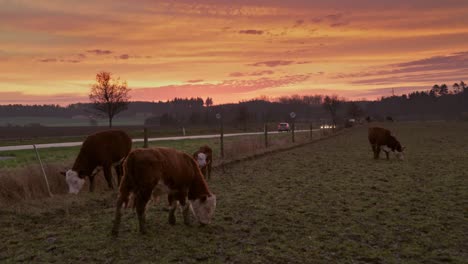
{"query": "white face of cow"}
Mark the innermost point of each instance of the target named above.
(204, 210)
(201, 160)
(400, 155)
(74, 182)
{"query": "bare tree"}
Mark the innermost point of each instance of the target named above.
(109, 96)
(209, 102)
(331, 105)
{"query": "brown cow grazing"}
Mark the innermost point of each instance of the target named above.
(102, 149)
(164, 170)
(204, 158)
(382, 137)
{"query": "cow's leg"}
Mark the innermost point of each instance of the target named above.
(91, 183)
(376, 150)
(141, 200)
(387, 153)
(108, 175)
(187, 207)
(118, 216)
(172, 208)
(119, 171)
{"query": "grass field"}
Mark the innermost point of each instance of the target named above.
(66, 121)
(326, 202)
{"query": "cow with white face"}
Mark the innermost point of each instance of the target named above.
(204, 158)
(381, 139)
(150, 172)
(102, 150)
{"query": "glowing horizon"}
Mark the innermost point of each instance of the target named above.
(230, 50)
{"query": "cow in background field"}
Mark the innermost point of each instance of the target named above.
(100, 150)
(381, 139)
(153, 171)
(204, 158)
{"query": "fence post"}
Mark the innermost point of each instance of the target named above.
(222, 138)
(145, 137)
(43, 171)
(265, 129)
(293, 128)
(311, 132)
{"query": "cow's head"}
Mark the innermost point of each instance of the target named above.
(75, 183)
(397, 148)
(399, 152)
(201, 159)
(204, 208)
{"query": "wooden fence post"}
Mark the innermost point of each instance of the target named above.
(43, 171)
(293, 128)
(222, 138)
(311, 132)
(145, 137)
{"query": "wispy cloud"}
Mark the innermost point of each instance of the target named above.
(251, 32)
(255, 73)
(195, 81)
(26, 98)
(210, 89)
(100, 52)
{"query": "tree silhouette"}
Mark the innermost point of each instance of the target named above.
(331, 105)
(109, 96)
(209, 102)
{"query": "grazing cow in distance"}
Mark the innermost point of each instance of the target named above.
(381, 138)
(389, 119)
(204, 158)
(149, 172)
(100, 150)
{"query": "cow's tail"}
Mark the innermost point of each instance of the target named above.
(126, 186)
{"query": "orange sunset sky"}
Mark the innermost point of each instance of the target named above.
(50, 51)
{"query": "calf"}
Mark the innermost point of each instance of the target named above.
(100, 150)
(204, 158)
(155, 171)
(381, 137)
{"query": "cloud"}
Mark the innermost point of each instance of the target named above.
(100, 52)
(195, 81)
(48, 60)
(124, 57)
(25, 98)
(256, 73)
(275, 63)
(272, 63)
(445, 68)
(251, 32)
(209, 89)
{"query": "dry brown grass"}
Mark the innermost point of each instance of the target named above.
(28, 183)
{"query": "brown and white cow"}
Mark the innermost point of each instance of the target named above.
(381, 139)
(100, 150)
(204, 158)
(164, 170)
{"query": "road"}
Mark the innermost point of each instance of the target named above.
(74, 144)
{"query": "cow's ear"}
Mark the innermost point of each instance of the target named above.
(63, 173)
(203, 198)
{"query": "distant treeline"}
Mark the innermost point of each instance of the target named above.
(440, 102)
